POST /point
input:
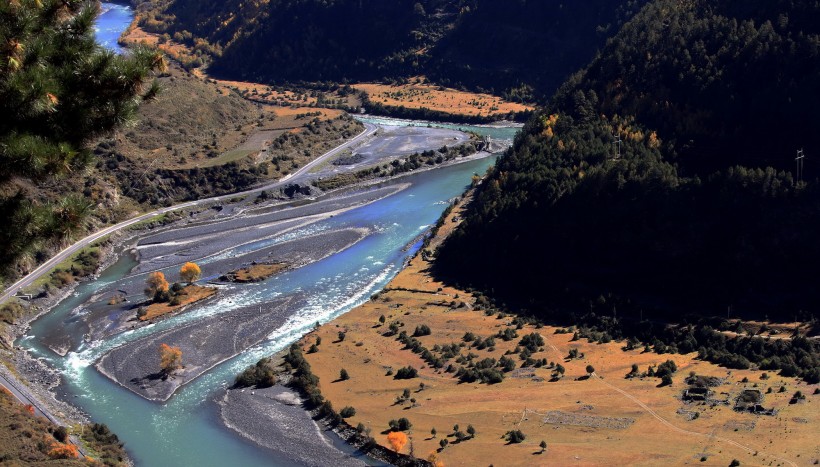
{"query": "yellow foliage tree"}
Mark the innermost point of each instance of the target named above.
(63, 451)
(170, 358)
(155, 283)
(434, 459)
(190, 272)
(397, 440)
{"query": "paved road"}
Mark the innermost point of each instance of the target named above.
(61, 256)
(21, 393)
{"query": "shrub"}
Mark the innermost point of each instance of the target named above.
(402, 424)
(515, 436)
(532, 342)
(61, 434)
(422, 330)
(666, 368)
(407, 372)
(347, 412)
(260, 375)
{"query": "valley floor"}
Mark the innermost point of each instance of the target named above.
(602, 419)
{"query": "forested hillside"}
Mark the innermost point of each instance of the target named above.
(521, 49)
(728, 82)
(701, 213)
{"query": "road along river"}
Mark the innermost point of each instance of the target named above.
(339, 249)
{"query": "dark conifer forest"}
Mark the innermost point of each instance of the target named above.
(695, 212)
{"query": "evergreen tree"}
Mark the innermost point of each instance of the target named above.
(59, 89)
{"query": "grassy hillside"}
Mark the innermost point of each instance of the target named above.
(26, 439)
(698, 216)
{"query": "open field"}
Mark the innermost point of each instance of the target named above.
(603, 419)
(416, 96)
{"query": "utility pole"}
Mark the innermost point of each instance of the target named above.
(799, 159)
(618, 141)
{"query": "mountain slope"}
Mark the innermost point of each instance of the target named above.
(524, 49)
(729, 82)
(691, 219)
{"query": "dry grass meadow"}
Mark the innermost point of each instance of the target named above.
(417, 95)
(602, 420)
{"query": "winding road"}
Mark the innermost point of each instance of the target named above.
(44, 268)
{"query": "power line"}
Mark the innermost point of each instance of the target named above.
(800, 167)
(618, 141)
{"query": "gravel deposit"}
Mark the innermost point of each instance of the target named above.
(274, 419)
(204, 344)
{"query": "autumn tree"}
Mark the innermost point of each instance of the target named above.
(63, 451)
(59, 90)
(435, 460)
(156, 287)
(397, 440)
(190, 272)
(170, 358)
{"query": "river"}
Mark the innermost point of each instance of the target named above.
(186, 430)
(113, 20)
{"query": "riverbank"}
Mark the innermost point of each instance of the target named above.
(497, 373)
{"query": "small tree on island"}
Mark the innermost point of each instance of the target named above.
(156, 287)
(190, 272)
(170, 358)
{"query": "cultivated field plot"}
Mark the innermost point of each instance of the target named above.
(440, 99)
(603, 419)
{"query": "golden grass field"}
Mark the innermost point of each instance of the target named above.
(661, 432)
(417, 95)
